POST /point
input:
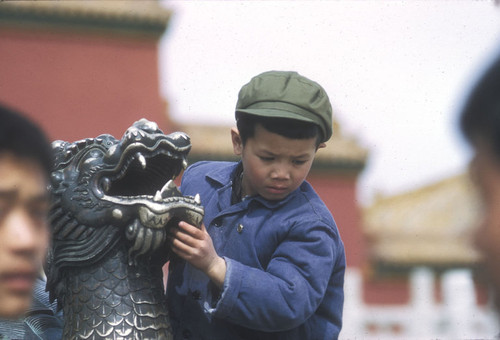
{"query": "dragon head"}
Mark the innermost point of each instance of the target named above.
(104, 188)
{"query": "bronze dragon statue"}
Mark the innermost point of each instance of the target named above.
(113, 202)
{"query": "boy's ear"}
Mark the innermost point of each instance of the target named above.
(237, 143)
(321, 146)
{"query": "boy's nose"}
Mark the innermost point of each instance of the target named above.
(281, 172)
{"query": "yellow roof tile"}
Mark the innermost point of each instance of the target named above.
(433, 224)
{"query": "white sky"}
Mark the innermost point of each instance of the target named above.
(396, 71)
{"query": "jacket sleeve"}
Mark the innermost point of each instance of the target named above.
(290, 289)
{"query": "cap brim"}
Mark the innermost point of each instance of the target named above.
(276, 114)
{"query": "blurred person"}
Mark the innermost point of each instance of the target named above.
(480, 123)
(25, 166)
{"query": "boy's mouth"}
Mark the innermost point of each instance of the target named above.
(277, 190)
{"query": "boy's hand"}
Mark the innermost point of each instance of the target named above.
(195, 246)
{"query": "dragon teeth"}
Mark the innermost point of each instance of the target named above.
(197, 199)
(171, 185)
(157, 196)
(170, 189)
(167, 186)
(142, 160)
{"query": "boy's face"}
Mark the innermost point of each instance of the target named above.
(273, 165)
(485, 170)
(24, 232)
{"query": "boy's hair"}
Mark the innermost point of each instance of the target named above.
(288, 128)
(480, 116)
(23, 138)
(286, 96)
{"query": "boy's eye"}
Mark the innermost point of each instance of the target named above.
(266, 159)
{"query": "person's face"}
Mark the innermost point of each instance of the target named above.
(24, 232)
(273, 165)
(485, 170)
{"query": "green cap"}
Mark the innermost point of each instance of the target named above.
(286, 94)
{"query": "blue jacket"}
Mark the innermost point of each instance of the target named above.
(285, 266)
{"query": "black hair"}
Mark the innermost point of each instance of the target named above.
(480, 117)
(289, 128)
(23, 138)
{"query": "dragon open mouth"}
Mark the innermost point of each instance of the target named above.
(143, 163)
(142, 175)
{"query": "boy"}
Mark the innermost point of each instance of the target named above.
(480, 123)
(268, 262)
(25, 165)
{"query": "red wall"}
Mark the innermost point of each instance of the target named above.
(339, 194)
(80, 85)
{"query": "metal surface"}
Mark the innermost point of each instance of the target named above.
(113, 202)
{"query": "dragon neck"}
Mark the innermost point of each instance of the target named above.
(111, 299)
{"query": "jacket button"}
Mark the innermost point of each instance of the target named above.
(196, 295)
(240, 228)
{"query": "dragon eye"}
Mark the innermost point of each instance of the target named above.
(105, 184)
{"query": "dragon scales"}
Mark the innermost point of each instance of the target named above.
(113, 202)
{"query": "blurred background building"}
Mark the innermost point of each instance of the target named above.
(422, 276)
(83, 68)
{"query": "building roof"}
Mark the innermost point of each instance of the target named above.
(214, 143)
(432, 225)
(125, 16)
